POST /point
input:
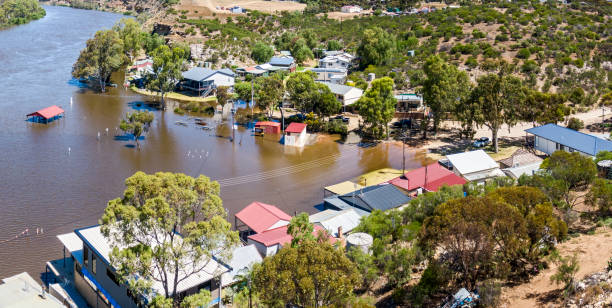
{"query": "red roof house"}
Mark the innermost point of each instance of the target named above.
(259, 217)
(295, 128)
(48, 113)
(430, 178)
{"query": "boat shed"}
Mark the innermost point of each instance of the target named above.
(46, 115)
(268, 127)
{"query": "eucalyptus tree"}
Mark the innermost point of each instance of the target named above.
(167, 70)
(165, 229)
(136, 124)
(102, 56)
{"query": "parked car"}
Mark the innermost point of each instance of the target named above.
(403, 123)
(481, 142)
(341, 117)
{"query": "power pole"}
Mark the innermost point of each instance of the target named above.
(252, 95)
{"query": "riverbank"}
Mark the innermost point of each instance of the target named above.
(19, 12)
(175, 96)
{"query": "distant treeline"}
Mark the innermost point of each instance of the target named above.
(17, 12)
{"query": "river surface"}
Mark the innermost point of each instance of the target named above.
(59, 177)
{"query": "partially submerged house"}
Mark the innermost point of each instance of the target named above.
(427, 178)
(474, 166)
(46, 115)
(365, 200)
(97, 281)
(258, 217)
(346, 95)
(203, 81)
(295, 135)
(337, 223)
(551, 137)
(268, 127)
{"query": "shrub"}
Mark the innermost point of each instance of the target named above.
(523, 53)
(575, 124)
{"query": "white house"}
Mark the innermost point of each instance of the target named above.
(351, 9)
(295, 134)
(203, 80)
(347, 95)
(337, 60)
(332, 75)
(475, 166)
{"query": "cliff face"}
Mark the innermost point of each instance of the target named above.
(118, 6)
(17, 12)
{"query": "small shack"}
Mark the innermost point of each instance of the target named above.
(46, 115)
(267, 127)
(295, 134)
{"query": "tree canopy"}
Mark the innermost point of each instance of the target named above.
(167, 70)
(377, 106)
(376, 47)
(137, 123)
(310, 274)
(262, 52)
(444, 88)
(103, 55)
(166, 228)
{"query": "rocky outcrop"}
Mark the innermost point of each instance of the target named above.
(162, 29)
(594, 291)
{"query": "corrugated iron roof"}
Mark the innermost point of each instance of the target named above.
(434, 178)
(261, 217)
(279, 236)
(379, 197)
(330, 220)
(295, 127)
(201, 73)
(473, 161)
(582, 142)
(48, 112)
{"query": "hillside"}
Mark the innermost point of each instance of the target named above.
(17, 12)
(554, 47)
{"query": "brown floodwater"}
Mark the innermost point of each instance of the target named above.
(59, 177)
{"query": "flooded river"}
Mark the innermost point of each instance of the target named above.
(58, 177)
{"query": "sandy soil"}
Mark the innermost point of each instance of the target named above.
(210, 6)
(517, 131)
(593, 252)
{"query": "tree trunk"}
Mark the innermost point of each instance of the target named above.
(163, 102)
(494, 132)
(102, 85)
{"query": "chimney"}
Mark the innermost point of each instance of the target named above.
(340, 232)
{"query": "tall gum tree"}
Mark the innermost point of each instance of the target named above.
(103, 55)
(166, 228)
(167, 70)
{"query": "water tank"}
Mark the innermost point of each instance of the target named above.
(360, 240)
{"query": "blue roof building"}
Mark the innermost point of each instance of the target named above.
(551, 137)
(284, 61)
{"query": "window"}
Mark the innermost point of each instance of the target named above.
(112, 276)
(93, 263)
(85, 256)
